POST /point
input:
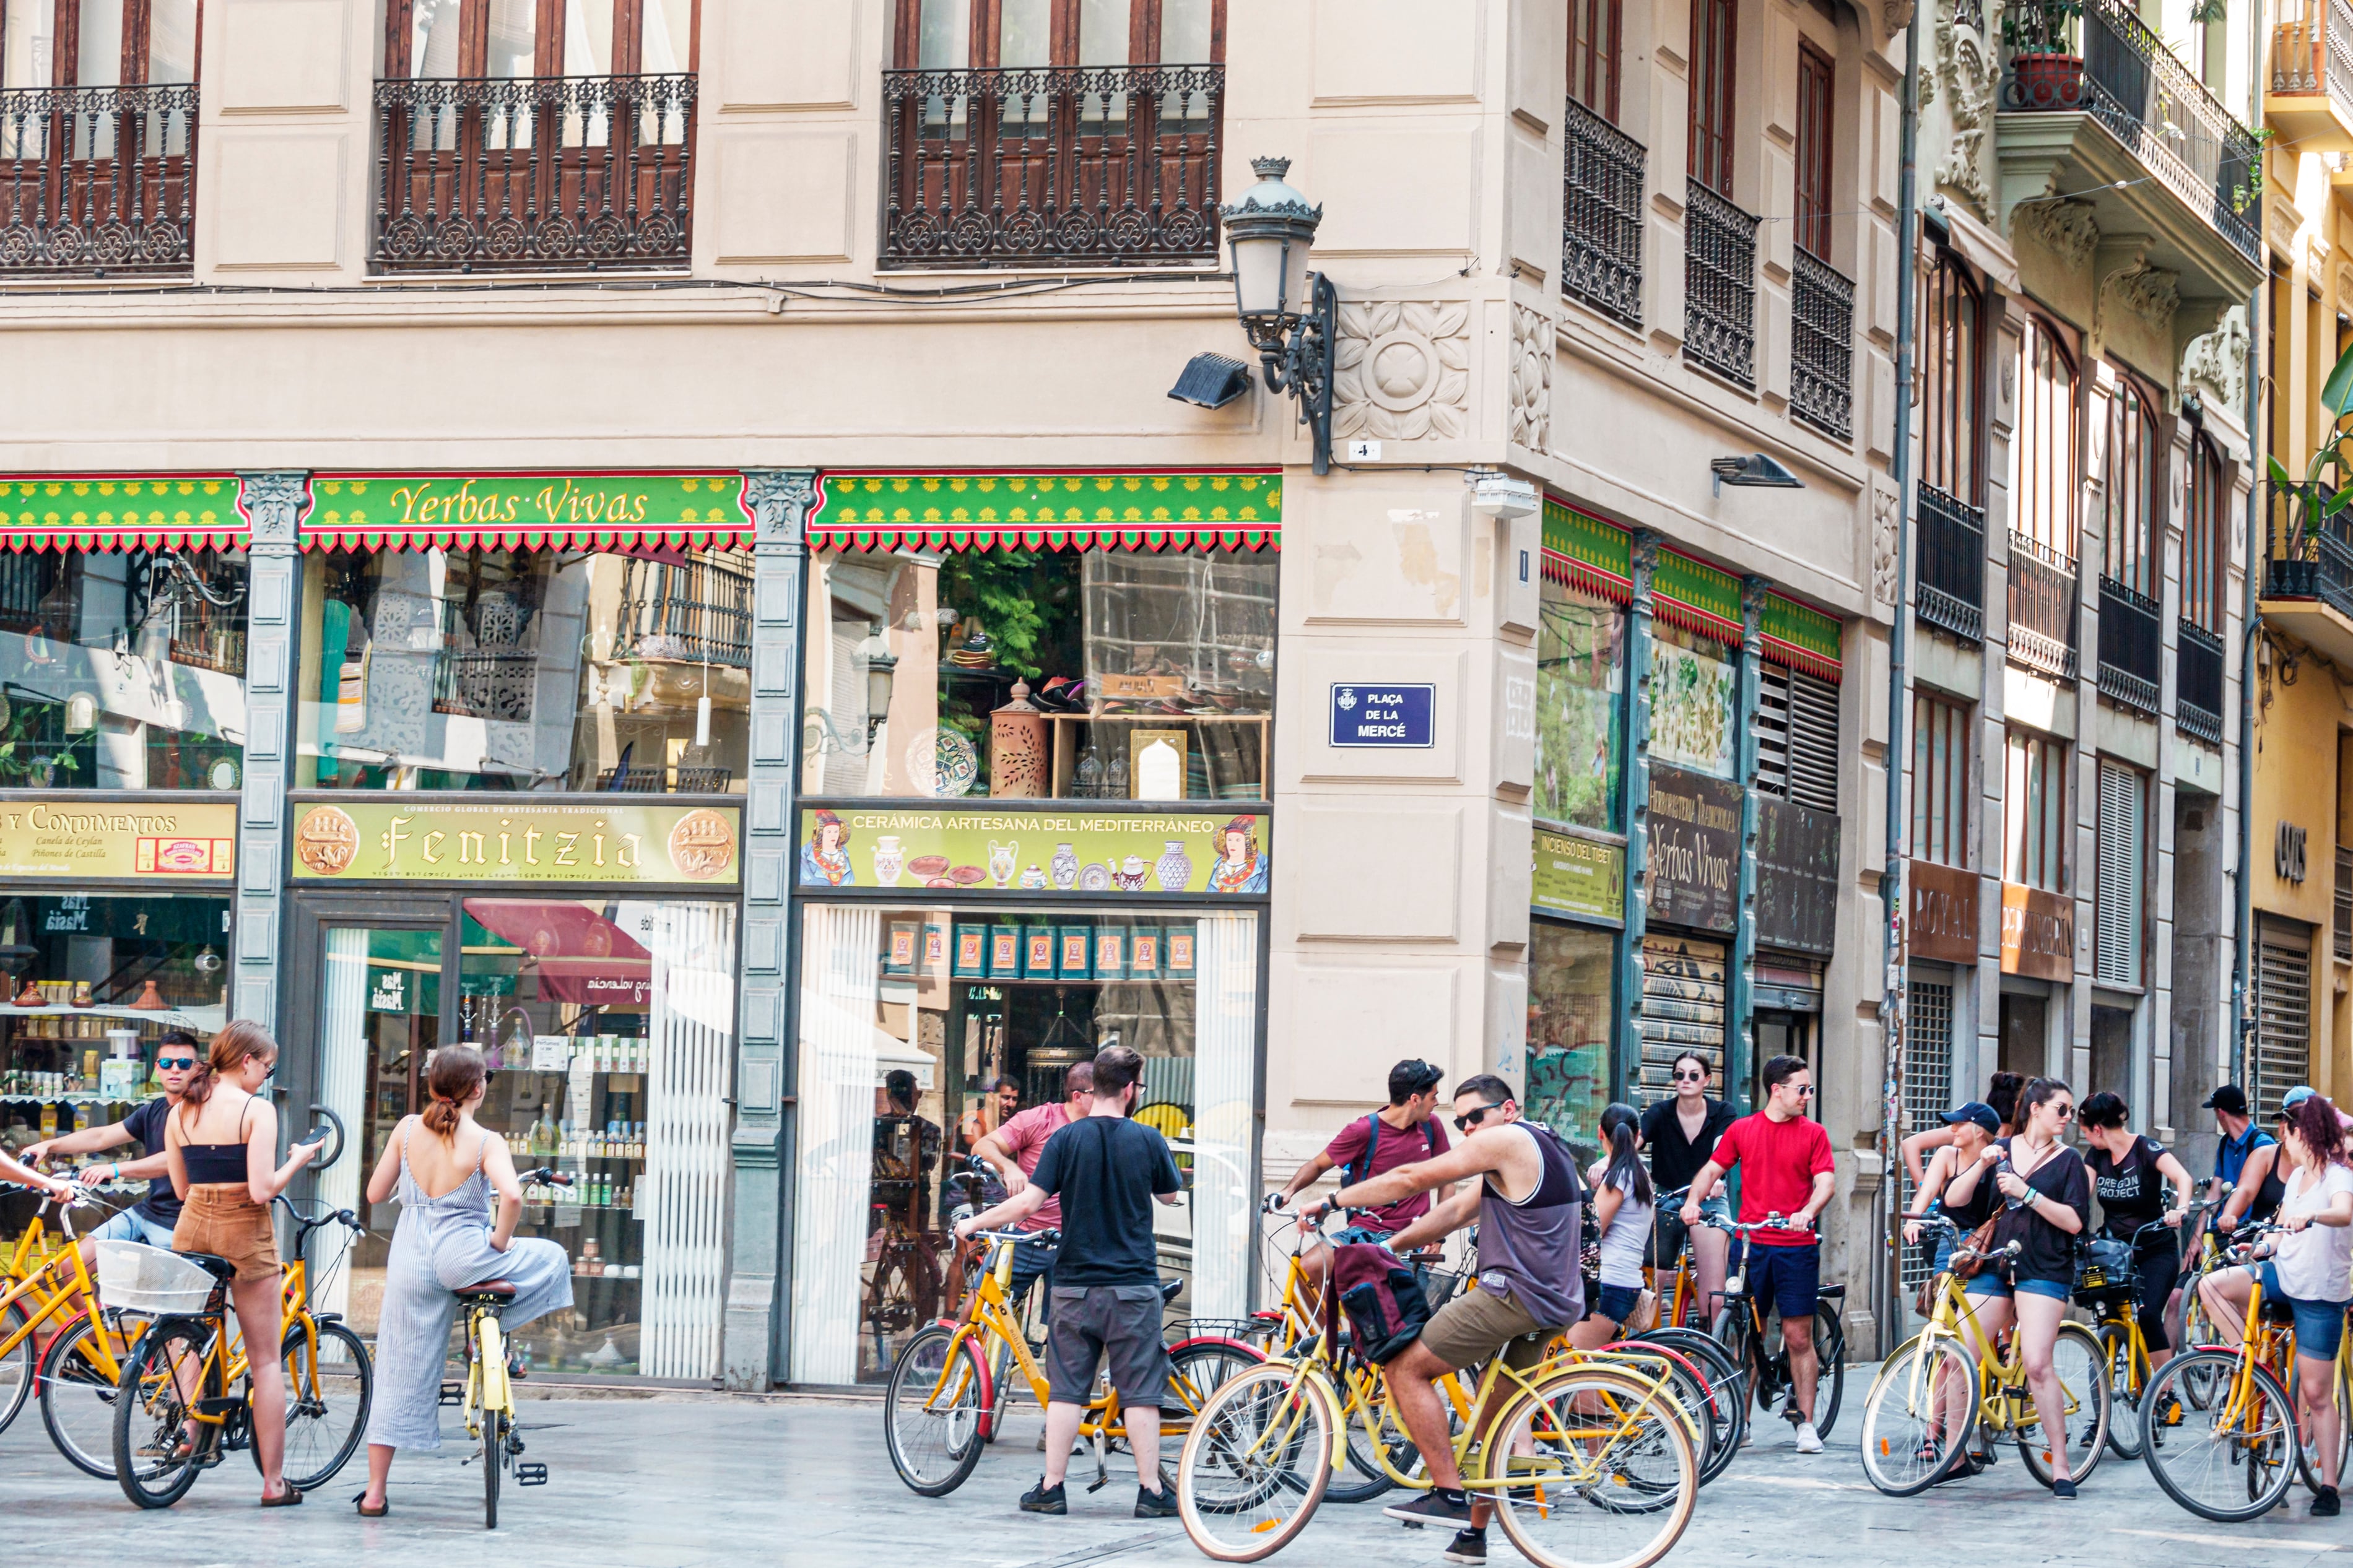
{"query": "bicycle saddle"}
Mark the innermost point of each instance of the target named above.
(1832, 1292)
(488, 1290)
(1169, 1288)
(218, 1268)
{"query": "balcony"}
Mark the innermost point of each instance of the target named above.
(2307, 589)
(2136, 139)
(1602, 217)
(2197, 682)
(1052, 166)
(2041, 608)
(1719, 285)
(534, 174)
(1949, 557)
(1821, 345)
(2311, 99)
(2129, 645)
(98, 181)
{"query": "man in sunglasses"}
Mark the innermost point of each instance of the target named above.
(1405, 1130)
(1785, 1169)
(154, 1216)
(1528, 1201)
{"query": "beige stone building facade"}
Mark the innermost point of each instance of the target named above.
(736, 436)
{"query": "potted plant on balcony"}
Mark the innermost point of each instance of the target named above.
(2045, 72)
(2303, 511)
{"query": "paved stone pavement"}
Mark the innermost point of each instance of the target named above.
(692, 1481)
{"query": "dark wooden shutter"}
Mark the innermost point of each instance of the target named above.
(1815, 100)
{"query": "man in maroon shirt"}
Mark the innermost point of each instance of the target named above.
(1785, 1170)
(1405, 1131)
(1015, 1150)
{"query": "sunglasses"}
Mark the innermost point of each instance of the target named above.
(2066, 1113)
(176, 1064)
(1471, 1119)
(1691, 1077)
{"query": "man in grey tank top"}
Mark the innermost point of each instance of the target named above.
(1526, 1197)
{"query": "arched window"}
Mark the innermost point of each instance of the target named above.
(2046, 478)
(2133, 474)
(1952, 318)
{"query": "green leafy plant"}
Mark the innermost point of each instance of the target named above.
(2315, 501)
(1028, 603)
(2040, 26)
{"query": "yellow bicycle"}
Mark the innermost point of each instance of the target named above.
(488, 1402)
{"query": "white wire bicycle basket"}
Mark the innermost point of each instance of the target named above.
(135, 1278)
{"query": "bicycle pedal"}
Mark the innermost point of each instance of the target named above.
(533, 1474)
(453, 1394)
(1413, 1524)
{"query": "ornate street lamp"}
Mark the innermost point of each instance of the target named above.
(1289, 314)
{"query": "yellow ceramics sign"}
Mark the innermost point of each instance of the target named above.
(75, 838)
(417, 841)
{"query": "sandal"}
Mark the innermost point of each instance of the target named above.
(377, 1512)
(289, 1498)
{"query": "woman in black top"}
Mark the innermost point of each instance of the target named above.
(2129, 1175)
(1681, 1133)
(2053, 1190)
(1973, 1127)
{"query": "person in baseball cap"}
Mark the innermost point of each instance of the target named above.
(2245, 1158)
(1975, 1124)
(2303, 1092)
(2229, 1100)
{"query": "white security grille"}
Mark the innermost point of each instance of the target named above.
(2116, 941)
(1928, 1084)
(2282, 1015)
(1798, 737)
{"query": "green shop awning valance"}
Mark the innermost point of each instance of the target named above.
(1801, 637)
(1586, 553)
(120, 511)
(531, 511)
(1047, 510)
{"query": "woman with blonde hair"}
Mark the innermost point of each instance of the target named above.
(221, 1146)
(445, 1167)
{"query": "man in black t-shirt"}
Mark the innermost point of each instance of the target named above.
(1107, 1170)
(153, 1219)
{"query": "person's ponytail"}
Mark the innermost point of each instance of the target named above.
(227, 1053)
(456, 1074)
(1619, 1123)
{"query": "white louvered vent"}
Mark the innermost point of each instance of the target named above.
(2117, 943)
(1798, 737)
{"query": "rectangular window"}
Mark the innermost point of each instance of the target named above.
(950, 34)
(527, 670)
(2205, 540)
(1940, 780)
(1713, 41)
(512, 39)
(1796, 736)
(1952, 396)
(2122, 862)
(103, 44)
(2045, 445)
(1815, 101)
(2133, 485)
(1593, 34)
(1580, 708)
(1694, 683)
(2035, 796)
(1571, 977)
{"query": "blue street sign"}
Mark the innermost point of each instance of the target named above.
(1383, 715)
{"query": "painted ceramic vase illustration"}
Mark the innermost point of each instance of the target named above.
(1065, 866)
(889, 861)
(1031, 877)
(1128, 877)
(1175, 868)
(1000, 859)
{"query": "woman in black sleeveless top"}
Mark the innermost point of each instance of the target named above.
(2130, 1172)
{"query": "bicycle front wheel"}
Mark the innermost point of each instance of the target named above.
(2081, 1364)
(1598, 1470)
(78, 1396)
(159, 1446)
(16, 1367)
(1256, 1463)
(1830, 1356)
(327, 1398)
(1919, 1413)
(2127, 1383)
(2231, 1459)
(933, 1410)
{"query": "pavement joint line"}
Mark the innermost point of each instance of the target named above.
(1102, 1549)
(2260, 1543)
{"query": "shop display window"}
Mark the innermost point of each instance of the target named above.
(1695, 684)
(608, 1026)
(1580, 709)
(622, 670)
(923, 1028)
(1570, 971)
(1087, 674)
(92, 982)
(123, 671)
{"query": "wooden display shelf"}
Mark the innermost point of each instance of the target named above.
(1065, 732)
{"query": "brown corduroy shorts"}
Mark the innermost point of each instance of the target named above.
(227, 1223)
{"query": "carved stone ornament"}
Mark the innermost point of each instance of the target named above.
(1884, 562)
(2065, 229)
(2217, 362)
(1532, 357)
(272, 503)
(1895, 15)
(2152, 293)
(1403, 371)
(779, 501)
(1964, 63)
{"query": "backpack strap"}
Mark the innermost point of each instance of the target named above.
(1361, 1168)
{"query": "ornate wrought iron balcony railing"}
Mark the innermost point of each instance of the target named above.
(99, 181)
(2312, 51)
(2197, 682)
(1949, 553)
(1821, 345)
(1088, 165)
(2308, 557)
(2042, 602)
(1602, 217)
(534, 174)
(2129, 646)
(1719, 285)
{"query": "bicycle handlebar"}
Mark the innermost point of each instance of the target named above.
(546, 1176)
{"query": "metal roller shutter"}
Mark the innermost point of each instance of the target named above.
(1927, 1085)
(2116, 941)
(1684, 1008)
(2282, 1015)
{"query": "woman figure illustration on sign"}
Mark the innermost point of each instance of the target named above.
(1240, 868)
(825, 859)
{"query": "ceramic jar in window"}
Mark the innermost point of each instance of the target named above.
(1017, 752)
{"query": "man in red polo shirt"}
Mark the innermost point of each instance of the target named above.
(1784, 1168)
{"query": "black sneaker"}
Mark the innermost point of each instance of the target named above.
(1435, 1506)
(1467, 1546)
(1043, 1498)
(2325, 1504)
(2065, 1491)
(1154, 1505)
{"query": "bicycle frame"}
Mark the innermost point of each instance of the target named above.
(72, 1294)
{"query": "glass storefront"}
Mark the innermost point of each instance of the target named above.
(912, 1020)
(122, 670)
(624, 671)
(1580, 709)
(1140, 676)
(1571, 978)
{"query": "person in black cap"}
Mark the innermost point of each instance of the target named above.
(2247, 1158)
(1975, 1124)
(1405, 1131)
